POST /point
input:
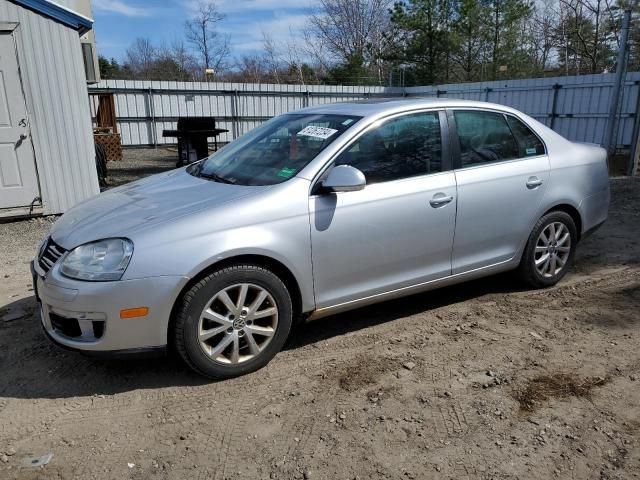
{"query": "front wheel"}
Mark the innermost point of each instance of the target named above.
(549, 251)
(233, 321)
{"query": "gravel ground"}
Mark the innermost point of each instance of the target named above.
(142, 162)
(481, 380)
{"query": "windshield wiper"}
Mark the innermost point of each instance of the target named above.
(215, 177)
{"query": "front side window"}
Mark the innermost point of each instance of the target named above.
(485, 137)
(275, 151)
(528, 142)
(402, 147)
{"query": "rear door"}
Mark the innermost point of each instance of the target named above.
(502, 172)
(18, 179)
(398, 230)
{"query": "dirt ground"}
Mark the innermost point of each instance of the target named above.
(481, 380)
(140, 162)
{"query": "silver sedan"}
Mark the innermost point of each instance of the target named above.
(315, 212)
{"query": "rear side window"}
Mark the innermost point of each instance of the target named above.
(485, 137)
(402, 147)
(528, 142)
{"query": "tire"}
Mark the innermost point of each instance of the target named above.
(541, 275)
(209, 317)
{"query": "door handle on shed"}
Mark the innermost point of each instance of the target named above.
(533, 182)
(439, 200)
(22, 138)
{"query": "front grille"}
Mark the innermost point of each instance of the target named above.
(51, 253)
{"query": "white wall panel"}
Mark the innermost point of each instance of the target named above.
(52, 72)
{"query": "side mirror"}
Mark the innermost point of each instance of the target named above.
(344, 178)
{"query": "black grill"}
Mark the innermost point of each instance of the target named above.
(193, 134)
(51, 253)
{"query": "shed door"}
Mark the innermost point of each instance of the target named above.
(18, 178)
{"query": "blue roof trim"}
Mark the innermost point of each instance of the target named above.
(59, 13)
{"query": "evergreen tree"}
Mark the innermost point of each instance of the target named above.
(422, 40)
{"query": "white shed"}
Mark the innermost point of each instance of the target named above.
(47, 155)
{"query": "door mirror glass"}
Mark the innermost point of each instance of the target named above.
(344, 178)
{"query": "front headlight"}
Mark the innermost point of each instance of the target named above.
(99, 261)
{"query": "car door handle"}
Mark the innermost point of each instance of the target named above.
(533, 182)
(439, 200)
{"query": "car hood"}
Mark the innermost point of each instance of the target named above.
(141, 205)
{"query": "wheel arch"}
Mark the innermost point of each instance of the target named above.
(269, 263)
(570, 210)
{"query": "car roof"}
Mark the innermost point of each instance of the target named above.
(381, 106)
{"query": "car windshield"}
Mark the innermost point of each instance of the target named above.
(275, 151)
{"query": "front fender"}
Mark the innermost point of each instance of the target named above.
(275, 226)
(303, 276)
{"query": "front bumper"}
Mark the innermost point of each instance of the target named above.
(86, 315)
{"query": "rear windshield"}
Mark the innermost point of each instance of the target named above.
(275, 151)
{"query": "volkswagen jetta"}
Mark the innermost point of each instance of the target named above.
(315, 212)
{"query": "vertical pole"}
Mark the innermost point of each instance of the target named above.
(632, 168)
(234, 115)
(152, 110)
(634, 161)
(554, 105)
(610, 142)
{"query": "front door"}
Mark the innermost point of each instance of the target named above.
(398, 230)
(18, 179)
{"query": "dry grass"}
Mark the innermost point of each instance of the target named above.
(560, 385)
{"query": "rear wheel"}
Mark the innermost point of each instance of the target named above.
(549, 251)
(233, 321)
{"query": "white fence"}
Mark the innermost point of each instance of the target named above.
(577, 107)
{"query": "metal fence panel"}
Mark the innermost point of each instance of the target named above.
(576, 107)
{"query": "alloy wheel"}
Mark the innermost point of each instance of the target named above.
(238, 323)
(552, 249)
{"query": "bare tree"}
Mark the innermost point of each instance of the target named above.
(251, 69)
(272, 56)
(352, 28)
(211, 46)
(295, 59)
(587, 38)
(183, 58)
(141, 56)
(542, 33)
(289, 61)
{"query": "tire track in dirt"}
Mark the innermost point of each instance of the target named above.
(219, 448)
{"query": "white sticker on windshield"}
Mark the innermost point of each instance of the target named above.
(317, 132)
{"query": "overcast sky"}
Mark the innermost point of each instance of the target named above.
(119, 22)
